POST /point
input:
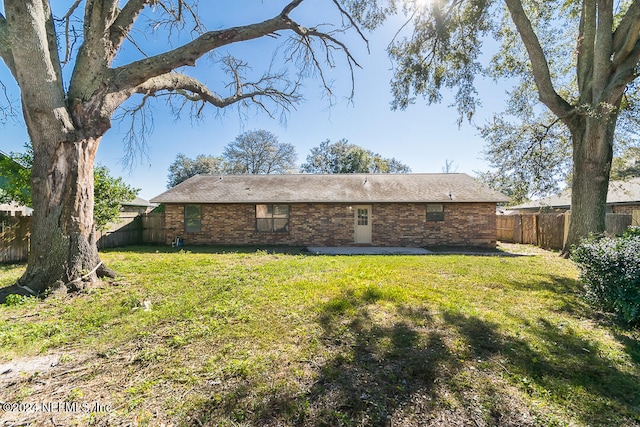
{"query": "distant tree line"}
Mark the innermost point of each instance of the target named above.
(260, 152)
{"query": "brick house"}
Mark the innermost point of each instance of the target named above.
(410, 210)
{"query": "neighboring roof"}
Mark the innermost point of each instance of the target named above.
(620, 192)
(138, 201)
(335, 188)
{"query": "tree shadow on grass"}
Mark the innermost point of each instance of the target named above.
(378, 363)
(376, 366)
(561, 367)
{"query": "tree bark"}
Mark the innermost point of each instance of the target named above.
(63, 243)
(592, 156)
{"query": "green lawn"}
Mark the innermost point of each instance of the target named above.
(247, 337)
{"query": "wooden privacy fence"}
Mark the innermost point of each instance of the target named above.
(133, 229)
(152, 225)
(130, 229)
(15, 235)
(549, 230)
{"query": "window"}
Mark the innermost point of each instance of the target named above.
(435, 212)
(272, 218)
(363, 216)
(192, 218)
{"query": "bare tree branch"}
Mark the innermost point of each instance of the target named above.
(6, 106)
(138, 72)
(123, 23)
(140, 126)
(194, 90)
(624, 74)
(66, 19)
(539, 65)
(178, 14)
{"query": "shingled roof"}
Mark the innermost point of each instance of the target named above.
(333, 188)
(619, 193)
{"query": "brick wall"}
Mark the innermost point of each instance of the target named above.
(311, 224)
(624, 209)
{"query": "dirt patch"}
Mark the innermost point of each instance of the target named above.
(62, 389)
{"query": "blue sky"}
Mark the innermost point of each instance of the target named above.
(424, 137)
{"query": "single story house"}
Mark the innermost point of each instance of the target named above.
(623, 197)
(410, 210)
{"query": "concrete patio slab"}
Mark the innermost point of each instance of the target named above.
(366, 250)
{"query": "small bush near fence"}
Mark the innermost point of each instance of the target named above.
(610, 270)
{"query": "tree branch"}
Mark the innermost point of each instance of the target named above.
(539, 65)
(5, 46)
(603, 46)
(194, 90)
(584, 50)
(624, 74)
(136, 73)
(67, 24)
(627, 34)
(119, 30)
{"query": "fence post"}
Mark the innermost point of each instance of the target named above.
(635, 218)
(517, 229)
(567, 220)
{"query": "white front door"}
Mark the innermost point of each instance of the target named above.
(362, 224)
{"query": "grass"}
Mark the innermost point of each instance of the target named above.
(248, 337)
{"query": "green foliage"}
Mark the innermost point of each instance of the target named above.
(15, 175)
(109, 193)
(342, 157)
(610, 271)
(443, 52)
(259, 152)
(529, 144)
(627, 165)
(183, 167)
(528, 158)
(15, 299)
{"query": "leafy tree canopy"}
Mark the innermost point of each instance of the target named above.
(574, 66)
(343, 157)
(184, 167)
(259, 152)
(626, 165)
(109, 193)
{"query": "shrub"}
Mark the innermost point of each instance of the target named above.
(15, 299)
(610, 272)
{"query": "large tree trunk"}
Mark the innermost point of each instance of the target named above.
(63, 241)
(63, 245)
(592, 156)
(64, 139)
